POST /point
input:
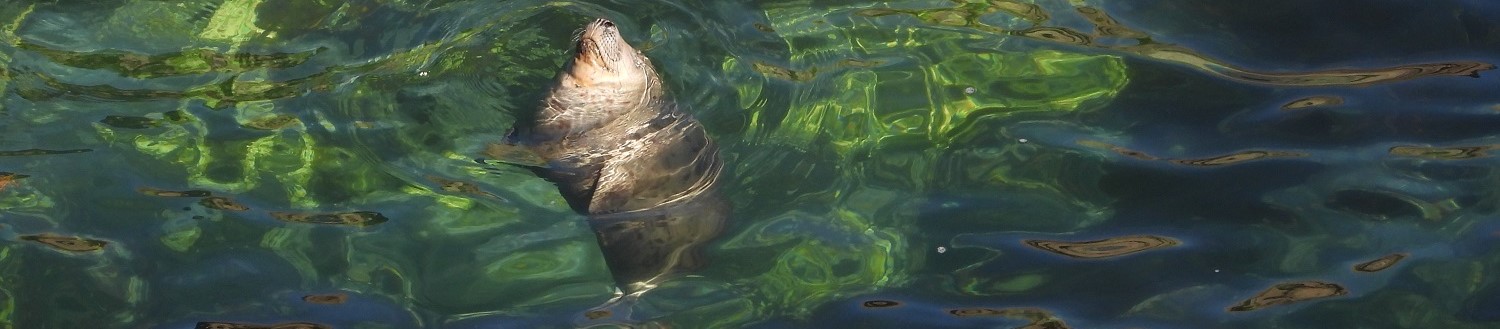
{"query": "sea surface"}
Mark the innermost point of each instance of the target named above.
(902, 164)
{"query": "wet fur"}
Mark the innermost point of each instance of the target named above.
(622, 152)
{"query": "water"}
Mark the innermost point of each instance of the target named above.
(904, 164)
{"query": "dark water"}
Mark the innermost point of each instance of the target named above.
(932, 164)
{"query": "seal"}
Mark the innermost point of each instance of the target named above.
(621, 152)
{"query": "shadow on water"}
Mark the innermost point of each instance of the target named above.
(1002, 163)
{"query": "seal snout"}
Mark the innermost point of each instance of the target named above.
(600, 26)
(601, 47)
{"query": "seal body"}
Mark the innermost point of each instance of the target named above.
(621, 152)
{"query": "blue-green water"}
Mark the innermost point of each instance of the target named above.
(918, 164)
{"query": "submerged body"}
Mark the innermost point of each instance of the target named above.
(621, 152)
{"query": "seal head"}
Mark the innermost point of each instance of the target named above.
(606, 80)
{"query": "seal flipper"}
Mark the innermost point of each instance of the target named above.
(585, 196)
(512, 153)
(576, 186)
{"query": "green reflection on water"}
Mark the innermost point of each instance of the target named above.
(233, 21)
(182, 230)
(272, 151)
(1003, 84)
(902, 110)
(835, 255)
(10, 20)
(854, 110)
(235, 165)
(10, 263)
(198, 61)
(958, 84)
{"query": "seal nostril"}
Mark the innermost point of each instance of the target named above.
(608, 24)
